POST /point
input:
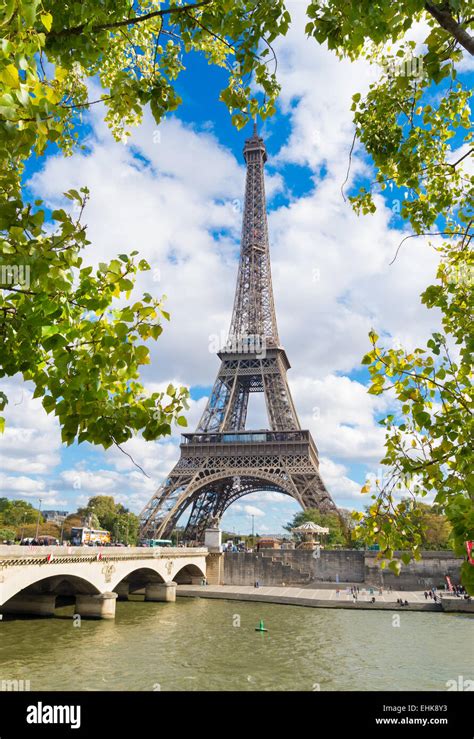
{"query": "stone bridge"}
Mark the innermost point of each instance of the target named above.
(32, 578)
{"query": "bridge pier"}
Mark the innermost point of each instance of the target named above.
(30, 604)
(215, 568)
(122, 590)
(96, 606)
(161, 591)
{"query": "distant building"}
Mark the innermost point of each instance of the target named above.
(268, 542)
(55, 516)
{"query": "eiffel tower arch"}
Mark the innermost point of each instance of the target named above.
(223, 460)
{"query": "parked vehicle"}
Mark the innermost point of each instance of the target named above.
(84, 536)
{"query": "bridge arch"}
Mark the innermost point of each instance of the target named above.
(138, 577)
(32, 581)
(190, 574)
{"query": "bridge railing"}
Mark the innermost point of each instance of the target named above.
(18, 555)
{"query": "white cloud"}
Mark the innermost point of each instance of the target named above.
(252, 510)
(341, 415)
(342, 487)
(31, 440)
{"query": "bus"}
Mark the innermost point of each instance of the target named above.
(84, 536)
(156, 543)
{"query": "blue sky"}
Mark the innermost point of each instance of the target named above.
(177, 198)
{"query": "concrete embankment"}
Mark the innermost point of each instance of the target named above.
(301, 567)
(325, 598)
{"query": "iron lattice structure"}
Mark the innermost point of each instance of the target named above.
(222, 461)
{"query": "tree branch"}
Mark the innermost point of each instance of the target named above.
(130, 457)
(208, 30)
(455, 164)
(446, 21)
(348, 166)
(127, 22)
(425, 233)
(422, 378)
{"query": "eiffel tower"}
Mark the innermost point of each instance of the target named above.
(222, 460)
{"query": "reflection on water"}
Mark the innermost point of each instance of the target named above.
(193, 644)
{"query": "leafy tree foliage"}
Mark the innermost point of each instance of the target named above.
(72, 521)
(44, 529)
(102, 508)
(7, 534)
(63, 330)
(17, 512)
(415, 124)
(127, 528)
(437, 530)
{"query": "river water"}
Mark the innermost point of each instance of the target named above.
(198, 644)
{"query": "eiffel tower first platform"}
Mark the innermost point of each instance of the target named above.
(223, 460)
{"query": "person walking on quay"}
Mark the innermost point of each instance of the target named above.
(426, 595)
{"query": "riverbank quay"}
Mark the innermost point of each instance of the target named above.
(326, 598)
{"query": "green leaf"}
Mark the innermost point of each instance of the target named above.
(9, 76)
(46, 20)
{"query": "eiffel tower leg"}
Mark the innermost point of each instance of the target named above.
(216, 406)
(280, 407)
(180, 491)
(160, 515)
(312, 492)
(237, 412)
(206, 511)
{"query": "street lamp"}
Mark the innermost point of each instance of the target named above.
(62, 530)
(38, 521)
(23, 526)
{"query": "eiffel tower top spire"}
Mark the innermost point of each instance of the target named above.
(254, 310)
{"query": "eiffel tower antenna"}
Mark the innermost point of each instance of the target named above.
(222, 460)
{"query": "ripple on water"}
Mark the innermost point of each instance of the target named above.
(193, 645)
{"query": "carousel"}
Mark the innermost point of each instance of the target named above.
(310, 535)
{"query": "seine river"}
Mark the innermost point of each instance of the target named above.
(197, 644)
